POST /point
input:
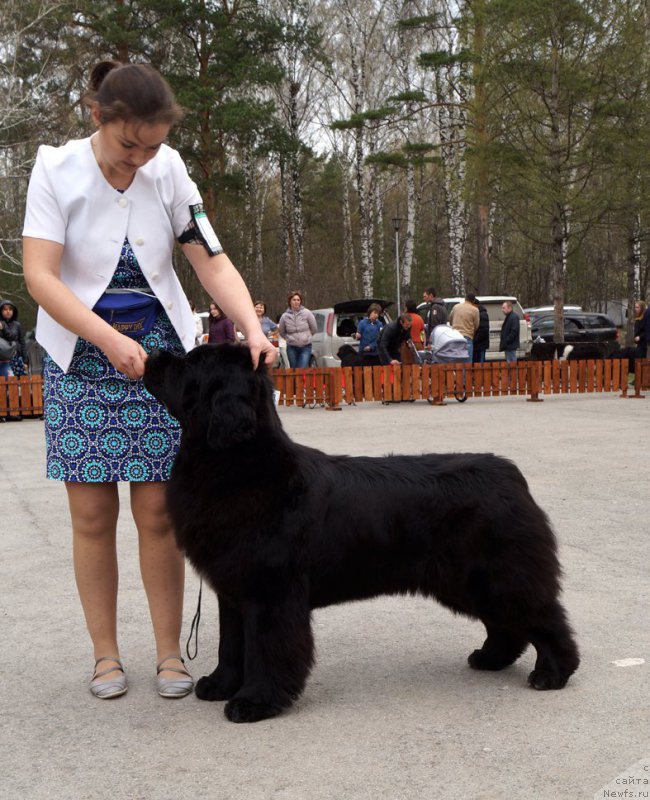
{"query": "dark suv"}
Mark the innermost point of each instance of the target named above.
(579, 327)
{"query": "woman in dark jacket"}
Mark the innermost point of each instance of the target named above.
(221, 329)
(12, 331)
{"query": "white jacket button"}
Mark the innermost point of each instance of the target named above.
(154, 276)
(139, 241)
(169, 304)
(123, 202)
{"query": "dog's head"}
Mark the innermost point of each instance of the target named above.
(213, 392)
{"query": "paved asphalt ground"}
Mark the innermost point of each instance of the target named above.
(391, 709)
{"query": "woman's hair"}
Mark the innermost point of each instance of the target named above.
(131, 92)
(260, 303)
(293, 294)
(411, 306)
(374, 307)
(218, 308)
(642, 307)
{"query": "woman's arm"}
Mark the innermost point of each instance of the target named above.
(221, 281)
(42, 264)
(311, 321)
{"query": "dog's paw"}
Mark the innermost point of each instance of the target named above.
(545, 679)
(209, 688)
(243, 710)
(481, 659)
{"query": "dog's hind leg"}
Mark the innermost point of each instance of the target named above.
(228, 676)
(279, 656)
(557, 652)
(501, 648)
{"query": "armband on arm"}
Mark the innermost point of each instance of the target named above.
(199, 231)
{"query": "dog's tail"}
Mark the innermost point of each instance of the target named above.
(566, 352)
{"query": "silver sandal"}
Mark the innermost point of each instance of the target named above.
(174, 687)
(114, 687)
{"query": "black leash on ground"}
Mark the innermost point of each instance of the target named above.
(194, 629)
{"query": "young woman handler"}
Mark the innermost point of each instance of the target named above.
(103, 214)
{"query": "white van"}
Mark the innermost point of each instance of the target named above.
(337, 326)
(493, 305)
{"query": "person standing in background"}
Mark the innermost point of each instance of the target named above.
(418, 332)
(297, 325)
(12, 332)
(436, 311)
(482, 335)
(509, 341)
(268, 326)
(369, 329)
(465, 318)
(221, 329)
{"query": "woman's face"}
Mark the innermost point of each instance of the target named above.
(259, 309)
(121, 148)
(7, 312)
(214, 311)
(296, 302)
(637, 309)
(374, 316)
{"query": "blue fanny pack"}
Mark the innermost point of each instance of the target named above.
(132, 312)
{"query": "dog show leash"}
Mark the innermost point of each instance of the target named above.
(194, 629)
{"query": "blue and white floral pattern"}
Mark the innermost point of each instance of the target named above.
(101, 426)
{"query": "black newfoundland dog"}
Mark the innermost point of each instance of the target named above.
(277, 529)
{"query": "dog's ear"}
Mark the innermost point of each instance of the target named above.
(233, 413)
(164, 378)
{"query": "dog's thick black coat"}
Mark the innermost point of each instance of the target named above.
(277, 529)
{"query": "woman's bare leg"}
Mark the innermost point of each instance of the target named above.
(162, 566)
(94, 510)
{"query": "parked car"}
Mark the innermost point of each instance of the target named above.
(549, 309)
(579, 327)
(337, 326)
(493, 305)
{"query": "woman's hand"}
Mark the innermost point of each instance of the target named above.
(261, 347)
(126, 355)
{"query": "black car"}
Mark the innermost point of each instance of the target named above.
(579, 327)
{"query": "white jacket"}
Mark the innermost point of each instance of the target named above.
(70, 202)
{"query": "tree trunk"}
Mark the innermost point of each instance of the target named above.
(409, 239)
(297, 222)
(633, 274)
(349, 263)
(558, 232)
(286, 237)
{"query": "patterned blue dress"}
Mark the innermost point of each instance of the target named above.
(99, 424)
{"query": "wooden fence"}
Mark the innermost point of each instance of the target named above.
(331, 388)
(21, 397)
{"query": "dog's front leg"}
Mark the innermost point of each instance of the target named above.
(228, 676)
(279, 653)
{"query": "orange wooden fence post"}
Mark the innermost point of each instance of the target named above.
(534, 372)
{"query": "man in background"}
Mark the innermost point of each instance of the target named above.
(509, 342)
(465, 319)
